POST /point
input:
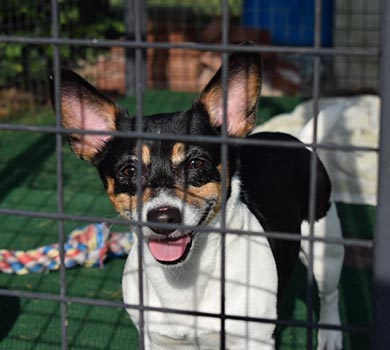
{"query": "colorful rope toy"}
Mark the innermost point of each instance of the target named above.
(87, 246)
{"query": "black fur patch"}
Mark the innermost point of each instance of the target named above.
(119, 158)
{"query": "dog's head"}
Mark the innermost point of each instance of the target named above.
(181, 181)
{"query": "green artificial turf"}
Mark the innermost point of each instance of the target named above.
(28, 181)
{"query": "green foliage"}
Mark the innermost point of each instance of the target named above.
(26, 65)
(208, 7)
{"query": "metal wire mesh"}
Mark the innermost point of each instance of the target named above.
(138, 44)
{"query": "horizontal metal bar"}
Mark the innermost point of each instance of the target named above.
(278, 235)
(57, 216)
(116, 304)
(94, 42)
(188, 138)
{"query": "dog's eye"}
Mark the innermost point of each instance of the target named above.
(128, 171)
(195, 163)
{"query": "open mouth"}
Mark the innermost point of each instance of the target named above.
(170, 251)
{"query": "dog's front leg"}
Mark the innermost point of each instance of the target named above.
(327, 265)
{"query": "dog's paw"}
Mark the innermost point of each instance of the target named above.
(329, 340)
(330, 315)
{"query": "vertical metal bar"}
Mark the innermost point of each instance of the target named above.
(59, 166)
(313, 170)
(130, 64)
(381, 334)
(130, 55)
(139, 97)
(224, 161)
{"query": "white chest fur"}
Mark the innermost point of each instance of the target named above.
(250, 288)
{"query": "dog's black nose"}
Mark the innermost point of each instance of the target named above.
(164, 215)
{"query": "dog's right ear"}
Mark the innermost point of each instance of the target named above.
(84, 107)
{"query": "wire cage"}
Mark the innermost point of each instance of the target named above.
(145, 54)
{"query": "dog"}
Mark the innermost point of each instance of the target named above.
(267, 190)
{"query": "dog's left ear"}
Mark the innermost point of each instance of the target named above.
(243, 93)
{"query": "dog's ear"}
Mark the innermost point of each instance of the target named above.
(243, 93)
(84, 107)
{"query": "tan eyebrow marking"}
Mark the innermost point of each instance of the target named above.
(178, 153)
(145, 154)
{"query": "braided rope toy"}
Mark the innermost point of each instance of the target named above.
(86, 246)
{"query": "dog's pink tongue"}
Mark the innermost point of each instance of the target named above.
(169, 251)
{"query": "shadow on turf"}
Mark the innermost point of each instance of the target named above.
(26, 164)
(9, 313)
